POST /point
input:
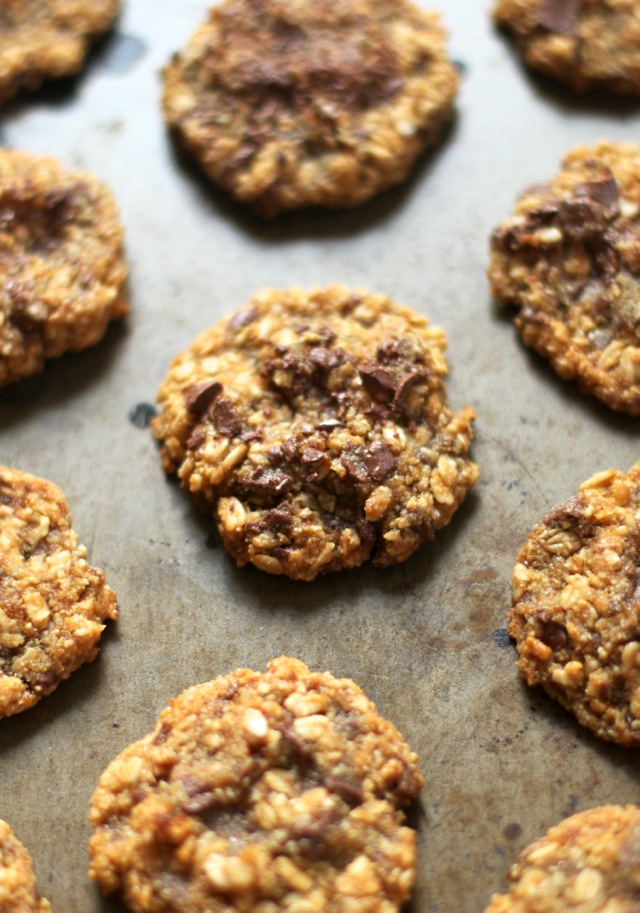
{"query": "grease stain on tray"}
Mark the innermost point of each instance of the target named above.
(121, 53)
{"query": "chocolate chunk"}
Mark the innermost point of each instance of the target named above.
(377, 382)
(604, 192)
(312, 455)
(560, 15)
(553, 635)
(326, 359)
(46, 681)
(226, 418)
(269, 480)
(199, 397)
(289, 449)
(349, 788)
(329, 424)
(243, 318)
(196, 438)
(248, 436)
(408, 381)
(353, 462)
(379, 460)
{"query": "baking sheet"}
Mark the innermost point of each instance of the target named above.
(425, 640)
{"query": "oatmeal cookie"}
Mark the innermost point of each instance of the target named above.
(53, 602)
(18, 889)
(586, 44)
(260, 791)
(569, 260)
(41, 39)
(576, 614)
(313, 427)
(310, 102)
(62, 269)
(587, 864)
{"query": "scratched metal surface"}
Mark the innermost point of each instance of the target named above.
(426, 639)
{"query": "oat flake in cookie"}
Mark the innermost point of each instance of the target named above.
(54, 604)
(291, 103)
(41, 39)
(313, 427)
(586, 864)
(18, 888)
(576, 613)
(62, 269)
(569, 260)
(587, 44)
(260, 792)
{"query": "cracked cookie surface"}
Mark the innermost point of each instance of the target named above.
(310, 102)
(42, 39)
(54, 604)
(62, 268)
(576, 614)
(587, 864)
(260, 792)
(569, 260)
(18, 888)
(587, 44)
(313, 427)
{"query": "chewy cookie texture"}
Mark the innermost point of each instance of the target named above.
(41, 39)
(575, 615)
(568, 259)
(54, 604)
(18, 888)
(260, 792)
(62, 269)
(587, 44)
(586, 864)
(310, 102)
(313, 427)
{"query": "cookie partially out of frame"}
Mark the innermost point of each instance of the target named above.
(42, 39)
(587, 44)
(568, 259)
(586, 864)
(310, 102)
(576, 613)
(18, 888)
(313, 427)
(54, 604)
(62, 268)
(260, 791)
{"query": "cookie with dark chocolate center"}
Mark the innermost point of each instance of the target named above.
(54, 604)
(587, 44)
(576, 612)
(62, 267)
(312, 102)
(277, 790)
(313, 427)
(48, 39)
(568, 260)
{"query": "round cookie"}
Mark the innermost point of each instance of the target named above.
(586, 864)
(41, 39)
(18, 888)
(313, 427)
(569, 260)
(54, 603)
(310, 102)
(576, 615)
(62, 269)
(260, 791)
(587, 44)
